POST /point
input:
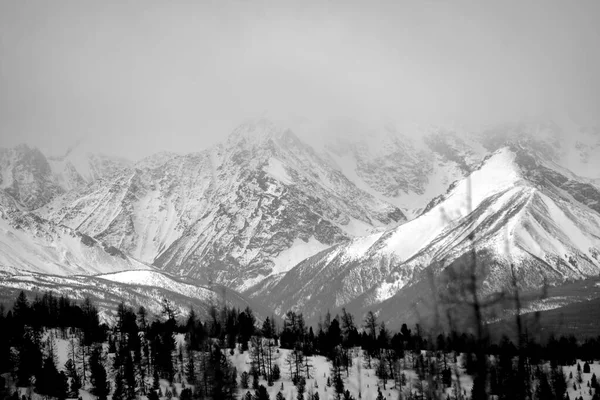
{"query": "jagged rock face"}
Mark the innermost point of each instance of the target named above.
(317, 227)
(234, 214)
(142, 210)
(394, 169)
(29, 242)
(569, 148)
(520, 213)
(405, 168)
(79, 167)
(26, 176)
(33, 180)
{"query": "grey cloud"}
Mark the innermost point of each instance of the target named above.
(150, 76)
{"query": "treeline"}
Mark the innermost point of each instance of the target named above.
(133, 356)
(523, 370)
(125, 360)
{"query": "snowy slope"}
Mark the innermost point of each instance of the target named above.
(408, 165)
(248, 208)
(26, 176)
(80, 165)
(572, 148)
(145, 288)
(404, 164)
(247, 211)
(31, 243)
(400, 165)
(513, 214)
(33, 179)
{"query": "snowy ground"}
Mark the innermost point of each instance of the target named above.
(360, 379)
(366, 381)
(582, 389)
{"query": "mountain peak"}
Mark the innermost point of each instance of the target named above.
(156, 160)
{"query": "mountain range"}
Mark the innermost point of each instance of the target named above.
(359, 218)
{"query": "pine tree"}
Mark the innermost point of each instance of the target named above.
(63, 386)
(75, 384)
(5, 347)
(300, 388)
(98, 376)
(48, 382)
(30, 359)
(558, 381)
(190, 368)
(543, 390)
(186, 394)
(119, 392)
(338, 384)
(276, 372)
(267, 329)
(336, 373)
(244, 377)
(255, 379)
(21, 311)
(129, 377)
(261, 393)
(224, 375)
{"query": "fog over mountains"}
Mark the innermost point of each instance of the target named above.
(357, 218)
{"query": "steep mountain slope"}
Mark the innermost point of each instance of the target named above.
(408, 165)
(29, 242)
(405, 165)
(26, 176)
(80, 165)
(145, 288)
(245, 212)
(568, 147)
(512, 207)
(33, 179)
(255, 205)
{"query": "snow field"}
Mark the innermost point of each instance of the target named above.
(321, 369)
(584, 391)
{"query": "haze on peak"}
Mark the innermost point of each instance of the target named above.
(137, 78)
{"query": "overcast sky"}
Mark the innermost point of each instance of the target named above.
(145, 76)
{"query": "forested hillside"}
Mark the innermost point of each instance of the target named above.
(53, 347)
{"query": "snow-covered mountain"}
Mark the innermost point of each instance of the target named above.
(29, 242)
(518, 209)
(26, 176)
(33, 179)
(405, 166)
(28, 181)
(354, 216)
(80, 165)
(566, 146)
(255, 205)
